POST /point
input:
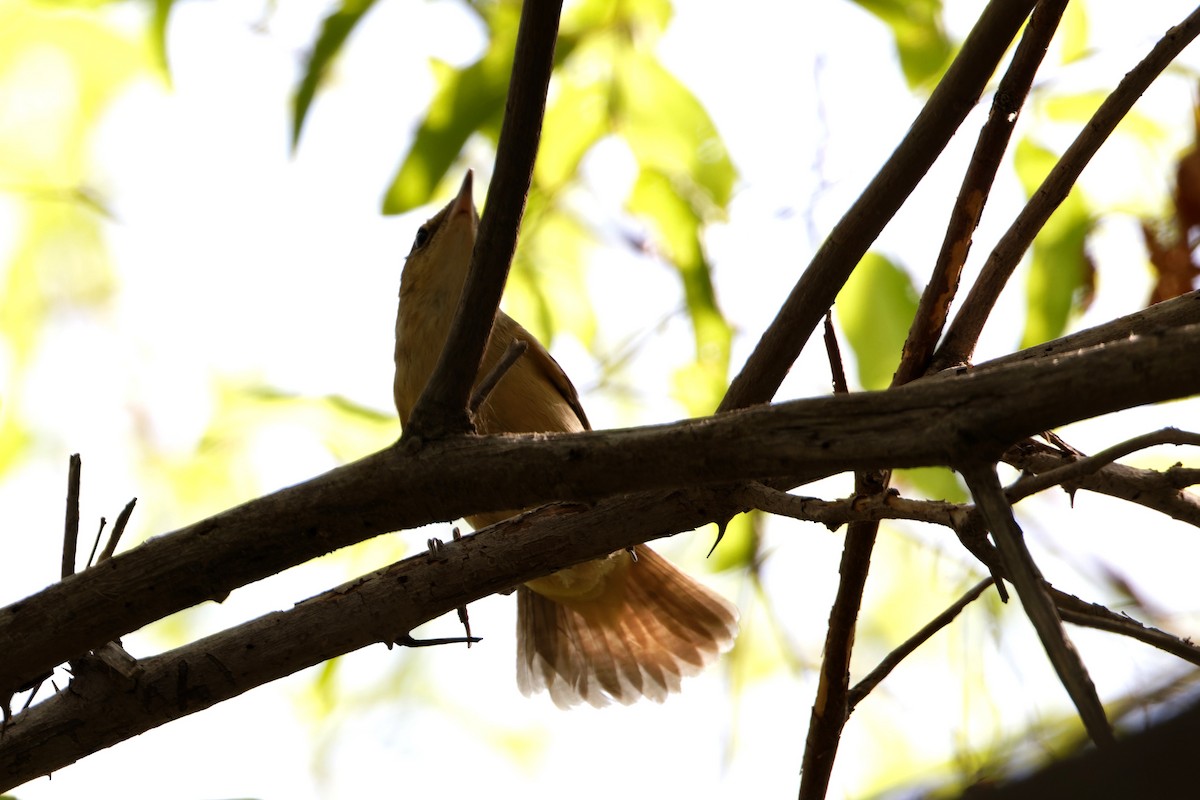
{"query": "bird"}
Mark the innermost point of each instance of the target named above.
(615, 629)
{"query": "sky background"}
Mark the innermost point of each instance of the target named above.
(237, 257)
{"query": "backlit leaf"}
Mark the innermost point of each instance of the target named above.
(336, 28)
(1060, 275)
(875, 309)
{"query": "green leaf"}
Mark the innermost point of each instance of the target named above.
(1080, 106)
(158, 34)
(547, 288)
(1073, 33)
(577, 116)
(336, 28)
(1059, 274)
(669, 132)
(876, 308)
(935, 483)
(467, 101)
(921, 41)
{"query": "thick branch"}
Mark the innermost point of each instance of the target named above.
(849, 240)
(100, 708)
(943, 421)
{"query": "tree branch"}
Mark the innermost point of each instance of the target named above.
(960, 339)
(1093, 615)
(102, 708)
(1075, 470)
(849, 240)
(1036, 600)
(442, 407)
(893, 659)
(976, 186)
(933, 422)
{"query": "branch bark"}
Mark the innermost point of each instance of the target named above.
(442, 407)
(943, 421)
(964, 331)
(956, 94)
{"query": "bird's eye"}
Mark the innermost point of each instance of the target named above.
(422, 238)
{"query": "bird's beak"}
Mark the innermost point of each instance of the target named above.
(464, 203)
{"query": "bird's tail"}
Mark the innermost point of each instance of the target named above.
(651, 626)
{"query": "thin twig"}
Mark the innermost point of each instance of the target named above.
(464, 616)
(516, 348)
(96, 541)
(893, 659)
(831, 707)
(835, 513)
(993, 140)
(408, 641)
(963, 333)
(836, 368)
(1075, 470)
(1092, 615)
(114, 538)
(71, 527)
(442, 407)
(956, 94)
(1023, 573)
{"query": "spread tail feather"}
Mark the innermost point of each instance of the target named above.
(648, 630)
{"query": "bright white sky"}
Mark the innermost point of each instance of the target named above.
(237, 257)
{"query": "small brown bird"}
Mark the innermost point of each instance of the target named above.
(618, 628)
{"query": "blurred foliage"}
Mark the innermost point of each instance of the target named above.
(922, 45)
(1061, 276)
(874, 310)
(608, 83)
(60, 68)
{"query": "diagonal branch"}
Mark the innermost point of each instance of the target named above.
(960, 339)
(1093, 615)
(1035, 598)
(832, 707)
(893, 659)
(103, 708)
(976, 186)
(849, 240)
(442, 407)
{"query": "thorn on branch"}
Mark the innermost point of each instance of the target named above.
(408, 641)
(721, 528)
